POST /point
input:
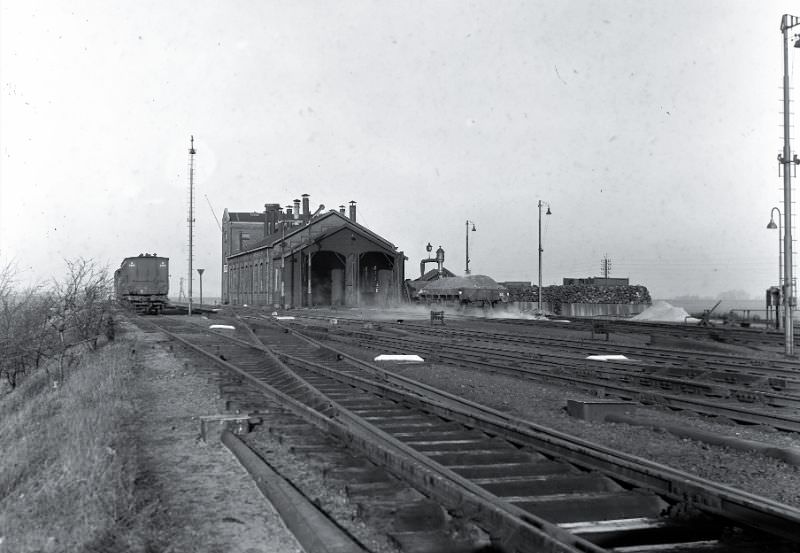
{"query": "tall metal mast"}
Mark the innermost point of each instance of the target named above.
(787, 22)
(190, 218)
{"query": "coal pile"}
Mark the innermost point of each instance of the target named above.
(581, 293)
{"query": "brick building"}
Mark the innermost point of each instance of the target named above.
(295, 258)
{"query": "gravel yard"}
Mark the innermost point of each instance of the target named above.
(545, 405)
(210, 503)
(206, 500)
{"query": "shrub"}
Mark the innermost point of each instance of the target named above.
(66, 477)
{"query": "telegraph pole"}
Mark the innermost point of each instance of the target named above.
(605, 266)
(190, 219)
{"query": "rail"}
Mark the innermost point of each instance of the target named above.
(297, 382)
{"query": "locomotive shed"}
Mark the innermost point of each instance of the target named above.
(301, 259)
(311, 447)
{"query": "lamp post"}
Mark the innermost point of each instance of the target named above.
(200, 272)
(466, 269)
(772, 225)
(541, 203)
(283, 264)
(787, 22)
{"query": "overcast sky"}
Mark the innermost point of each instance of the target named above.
(650, 127)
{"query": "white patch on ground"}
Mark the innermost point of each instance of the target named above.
(402, 358)
(663, 311)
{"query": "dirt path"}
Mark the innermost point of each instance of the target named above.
(205, 501)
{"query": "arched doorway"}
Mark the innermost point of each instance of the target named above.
(375, 278)
(327, 278)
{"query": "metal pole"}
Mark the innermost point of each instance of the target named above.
(191, 217)
(283, 264)
(780, 240)
(310, 297)
(780, 261)
(780, 266)
(466, 234)
(788, 296)
(540, 256)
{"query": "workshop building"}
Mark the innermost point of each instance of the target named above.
(306, 260)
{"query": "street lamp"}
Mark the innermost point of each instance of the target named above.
(541, 203)
(787, 22)
(466, 270)
(200, 272)
(772, 225)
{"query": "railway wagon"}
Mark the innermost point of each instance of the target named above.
(479, 290)
(142, 283)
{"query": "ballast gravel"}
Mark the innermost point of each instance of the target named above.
(545, 405)
(206, 501)
(210, 499)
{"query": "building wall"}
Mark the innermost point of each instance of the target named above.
(372, 274)
(236, 236)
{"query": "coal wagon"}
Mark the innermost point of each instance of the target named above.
(477, 290)
(142, 283)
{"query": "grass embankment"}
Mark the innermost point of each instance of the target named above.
(69, 461)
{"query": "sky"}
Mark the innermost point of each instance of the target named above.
(651, 129)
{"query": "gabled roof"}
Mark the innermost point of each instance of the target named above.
(242, 217)
(317, 228)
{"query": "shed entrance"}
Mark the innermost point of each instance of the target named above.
(375, 272)
(327, 278)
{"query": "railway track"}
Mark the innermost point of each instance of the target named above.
(748, 337)
(530, 488)
(764, 340)
(781, 372)
(751, 395)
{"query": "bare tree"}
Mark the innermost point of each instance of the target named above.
(25, 336)
(82, 302)
(38, 323)
(81, 305)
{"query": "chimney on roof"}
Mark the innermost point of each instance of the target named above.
(353, 210)
(306, 208)
(271, 218)
(341, 209)
(296, 208)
